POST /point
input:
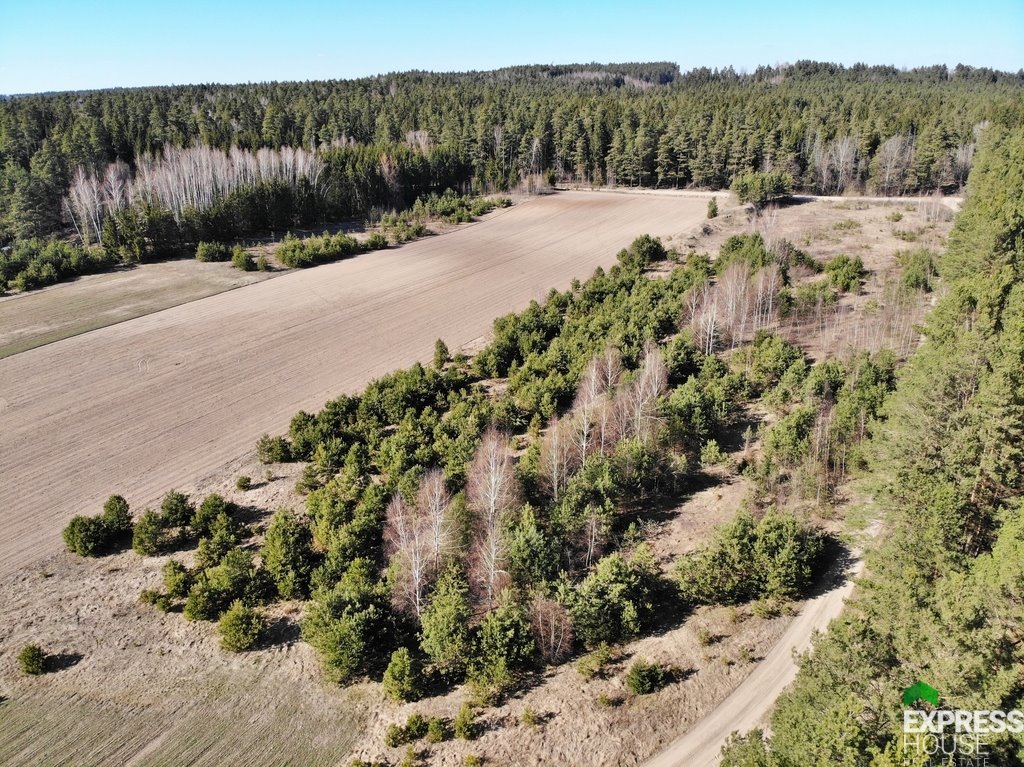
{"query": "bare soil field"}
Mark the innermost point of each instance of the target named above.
(170, 398)
(40, 317)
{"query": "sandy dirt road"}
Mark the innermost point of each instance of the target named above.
(168, 399)
(749, 705)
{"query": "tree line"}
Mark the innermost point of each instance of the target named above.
(941, 601)
(332, 149)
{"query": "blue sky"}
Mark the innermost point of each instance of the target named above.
(61, 45)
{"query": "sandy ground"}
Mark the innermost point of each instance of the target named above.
(39, 317)
(168, 399)
(751, 702)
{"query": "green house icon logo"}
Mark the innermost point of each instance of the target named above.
(920, 691)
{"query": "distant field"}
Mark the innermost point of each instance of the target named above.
(169, 398)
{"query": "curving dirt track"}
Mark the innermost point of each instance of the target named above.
(170, 398)
(749, 705)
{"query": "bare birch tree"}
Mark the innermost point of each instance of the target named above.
(492, 493)
(552, 629)
(639, 400)
(407, 539)
(434, 504)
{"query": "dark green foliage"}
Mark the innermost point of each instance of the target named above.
(438, 730)
(351, 624)
(117, 517)
(759, 189)
(465, 723)
(223, 535)
(788, 441)
(149, 537)
(746, 249)
(323, 249)
(846, 274)
(773, 558)
(243, 483)
(178, 579)
(505, 647)
(616, 601)
(204, 602)
(445, 635)
(918, 270)
(204, 517)
(644, 251)
(176, 510)
(402, 676)
(35, 263)
(235, 577)
(101, 534)
(273, 449)
(376, 241)
(240, 627)
(213, 251)
(713, 207)
(645, 677)
(287, 555)
(32, 660)
(242, 259)
(745, 750)
(441, 354)
(85, 536)
(768, 359)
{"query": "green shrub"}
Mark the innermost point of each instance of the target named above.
(273, 449)
(240, 627)
(645, 677)
(712, 455)
(262, 264)
(416, 726)
(437, 730)
(713, 207)
(178, 579)
(846, 274)
(474, 760)
(85, 536)
(243, 483)
(32, 660)
(149, 537)
(204, 602)
(376, 241)
(615, 601)
(102, 534)
(402, 678)
(176, 510)
(762, 188)
(465, 723)
(529, 717)
(748, 560)
(242, 259)
(593, 664)
(394, 735)
(206, 515)
(322, 249)
(213, 251)
(918, 269)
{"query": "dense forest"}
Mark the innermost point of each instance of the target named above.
(942, 602)
(151, 171)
